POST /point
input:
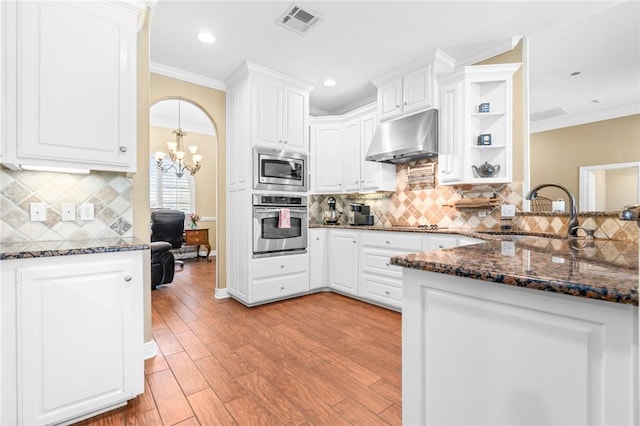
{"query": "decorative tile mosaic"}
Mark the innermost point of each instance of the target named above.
(109, 192)
(414, 207)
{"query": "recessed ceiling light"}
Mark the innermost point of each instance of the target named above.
(573, 74)
(329, 82)
(206, 37)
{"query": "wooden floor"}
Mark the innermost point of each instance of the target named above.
(322, 359)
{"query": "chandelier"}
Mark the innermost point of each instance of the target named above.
(177, 154)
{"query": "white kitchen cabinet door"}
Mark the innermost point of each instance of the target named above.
(374, 176)
(296, 120)
(79, 337)
(417, 90)
(351, 158)
(281, 115)
(268, 112)
(450, 134)
(72, 86)
(390, 100)
(327, 153)
(318, 259)
(343, 261)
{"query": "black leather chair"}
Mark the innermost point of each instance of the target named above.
(162, 263)
(167, 227)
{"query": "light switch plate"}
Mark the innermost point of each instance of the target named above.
(86, 211)
(507, 210)
(68, 211)
(38, 212)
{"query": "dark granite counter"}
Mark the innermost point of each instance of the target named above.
(597, 269)
(33, 249)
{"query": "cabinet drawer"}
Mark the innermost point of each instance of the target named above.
(197, 237)
(278, 287)
(439, 241)
(381, 289)
(377, 261)
(280, 265)
(407, 242)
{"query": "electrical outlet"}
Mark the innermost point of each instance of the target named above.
(86, 211)
(68, 211)
(38, 212)
(507, 210)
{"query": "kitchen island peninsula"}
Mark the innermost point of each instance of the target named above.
(521, 330)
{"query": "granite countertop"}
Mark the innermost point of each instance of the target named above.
(597, 269)
(25, 250)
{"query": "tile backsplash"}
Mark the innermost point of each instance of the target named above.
(410, 205)
(109, 192)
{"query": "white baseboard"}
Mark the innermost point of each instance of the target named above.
(221, 293)
(150, 349)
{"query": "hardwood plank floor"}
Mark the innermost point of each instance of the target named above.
(322, 359)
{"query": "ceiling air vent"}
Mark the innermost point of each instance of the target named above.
(298, 19)
(547, 114)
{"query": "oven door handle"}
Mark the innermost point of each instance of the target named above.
(277, 210)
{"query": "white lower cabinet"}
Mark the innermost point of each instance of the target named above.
(318, 259)
(476, 352)
(279, 277)
(343, 261)
(380, 281)
(72, 336)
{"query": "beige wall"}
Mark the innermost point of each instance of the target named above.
(556, 155)
(212, 102)
(140, 180)
(519, 101)
(205, 179)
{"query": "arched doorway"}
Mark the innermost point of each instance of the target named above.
(173, 186)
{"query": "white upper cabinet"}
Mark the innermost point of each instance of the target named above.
(475, 135)
(282, 115)
(70, 81)
(413, 87)
(326, 173)
(339, 148)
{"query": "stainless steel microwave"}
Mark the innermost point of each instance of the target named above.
(276, 170)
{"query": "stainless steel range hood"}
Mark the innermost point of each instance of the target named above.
(406, 139)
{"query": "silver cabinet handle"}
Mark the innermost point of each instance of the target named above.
(127, 278)
(123, 148)
(386, 292)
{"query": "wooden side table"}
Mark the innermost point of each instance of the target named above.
(198, 237)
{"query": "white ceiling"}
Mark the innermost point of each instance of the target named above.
(358, 41)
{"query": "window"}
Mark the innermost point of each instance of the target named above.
(166, 191)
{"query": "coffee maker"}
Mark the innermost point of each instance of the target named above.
(360, 215)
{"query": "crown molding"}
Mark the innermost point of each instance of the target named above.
(187, 76)
(499, 48)
(585, 118)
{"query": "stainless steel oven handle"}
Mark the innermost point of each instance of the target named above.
(272, 210)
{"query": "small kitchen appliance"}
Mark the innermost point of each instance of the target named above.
(331, 216)
(360, 215)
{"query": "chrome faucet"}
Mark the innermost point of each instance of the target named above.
(572, 232)
(630, 212)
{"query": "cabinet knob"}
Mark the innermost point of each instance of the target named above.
(127, 278)
(397, 106)
(354, 241)
(123, 148)
(281, 266)
(285, 142)
(388, 265)
(386, 292)
(282, 288)
(440, 245)
(317, 238)
(386, 242)
(405, 103)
